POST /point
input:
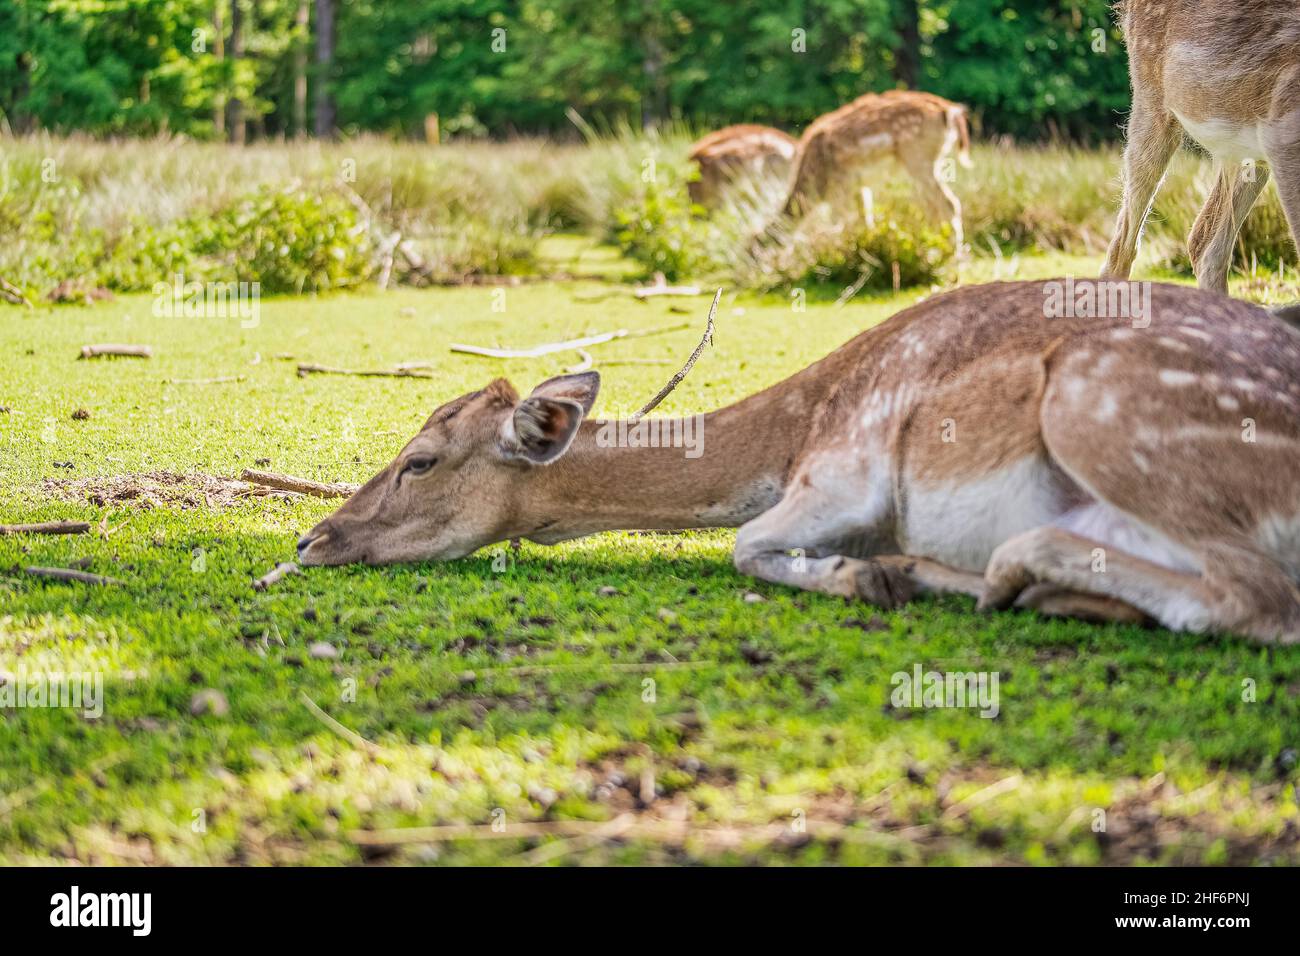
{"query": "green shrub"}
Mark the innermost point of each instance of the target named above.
(289, 240)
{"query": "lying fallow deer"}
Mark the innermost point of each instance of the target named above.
(969, 444)
(1227, 72)
(919, 130)
(728, 153)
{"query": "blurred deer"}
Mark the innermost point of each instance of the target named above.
(1228, 73)
(982, 442)
(918, 130)
(733, 151)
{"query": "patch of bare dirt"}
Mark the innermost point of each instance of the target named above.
(159, 489)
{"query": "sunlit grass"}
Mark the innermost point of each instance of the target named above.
(505, 687)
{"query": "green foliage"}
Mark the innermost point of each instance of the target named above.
(492, 66)
(660, 228)
(289, 240)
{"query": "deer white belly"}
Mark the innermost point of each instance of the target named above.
(960, 523)
(1225, 139)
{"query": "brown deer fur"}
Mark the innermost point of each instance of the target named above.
(1091, 466)
(1228, 73)
(918, 130)
(725, 154)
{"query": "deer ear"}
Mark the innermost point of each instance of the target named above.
(581, 388)
(542, 429)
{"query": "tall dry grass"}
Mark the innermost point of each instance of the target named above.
(98, 211)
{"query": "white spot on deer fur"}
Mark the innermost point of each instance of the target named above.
(1106, 408)
(1228, 403)
(1196, 333)
(1176, 377)
(876, 141)
(1245, 384)
(1174, 344)
(1143, 462)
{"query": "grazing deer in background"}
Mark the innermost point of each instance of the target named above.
(974, 443)
(1227, 72)
(730, 152)
(919, 130)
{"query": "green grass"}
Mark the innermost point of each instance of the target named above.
(762, 714)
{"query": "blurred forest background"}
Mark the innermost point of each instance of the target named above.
(239, 70)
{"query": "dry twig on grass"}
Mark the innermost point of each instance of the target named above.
(13, 294)
(405, 370)
(345, 732)
(690, 362)
(46, 527)
(127, 351)
(661, 287)
(583, 365)
(302, 486)
(68, 574)
(277, 573)
(569, 345)
(219, 380)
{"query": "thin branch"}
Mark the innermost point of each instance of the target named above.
(129, 351)
(46, 527)
(661, 287)
(583, 365)
(13, 294)
(346, 733)
(690, 362)
(569, 345)
(401, 371)
(277, 573)
(302, 486)
(68, 574)
(219, 380)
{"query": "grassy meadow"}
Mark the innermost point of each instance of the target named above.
(676, 719)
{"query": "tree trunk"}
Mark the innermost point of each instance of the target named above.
(907, 59)
(219, 54)
(654, 102)
(303, 23)
(235, 112)
(324, 61)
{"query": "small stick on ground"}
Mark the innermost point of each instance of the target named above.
(68, 574)
(345, 732)
(46, 527)
(402, 371)
(570, 345)
(583, 365)
(690, 362)
(219, 380)
(302, 486)
(13, 294)
(281, 570)
(661, 287)
(127, 351)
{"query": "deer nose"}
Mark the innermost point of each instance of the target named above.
(305, 542)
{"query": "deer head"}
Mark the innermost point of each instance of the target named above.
(459, 484)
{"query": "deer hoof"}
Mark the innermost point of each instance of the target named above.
(885, 586)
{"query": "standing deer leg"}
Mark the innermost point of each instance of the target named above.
(940, 201)
(1153, 137)
(1215, 231)
(1282, 147)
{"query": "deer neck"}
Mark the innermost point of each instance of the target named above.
(709, 471)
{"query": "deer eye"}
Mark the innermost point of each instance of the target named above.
(419, 464)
